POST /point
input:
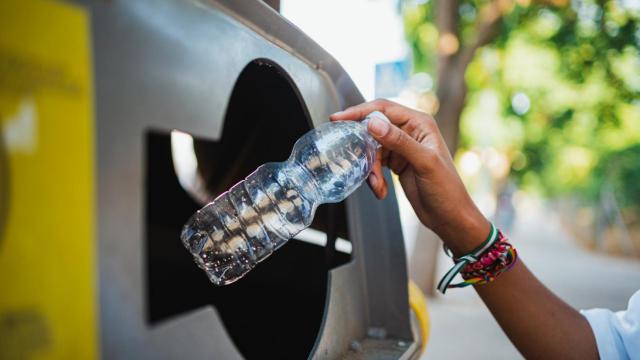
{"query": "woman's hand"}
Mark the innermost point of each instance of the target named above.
(413, 148)
(540, 324)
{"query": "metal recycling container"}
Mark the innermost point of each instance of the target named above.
(159, 106)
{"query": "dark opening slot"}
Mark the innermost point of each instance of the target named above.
(276, 310)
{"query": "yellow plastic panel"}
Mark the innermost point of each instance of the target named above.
(418, 303)
(47, 210)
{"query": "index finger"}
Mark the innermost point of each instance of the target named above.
(397, 114)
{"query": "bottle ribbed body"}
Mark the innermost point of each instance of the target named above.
(244, 225)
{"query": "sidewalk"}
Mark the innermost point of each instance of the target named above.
(462, 327)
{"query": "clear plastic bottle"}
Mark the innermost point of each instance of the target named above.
(244, 225)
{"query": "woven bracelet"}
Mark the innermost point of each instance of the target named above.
(498, 259)
(461, 262)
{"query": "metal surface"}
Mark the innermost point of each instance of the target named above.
(287, 36)
(172, 65)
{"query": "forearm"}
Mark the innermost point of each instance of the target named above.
(537, 322)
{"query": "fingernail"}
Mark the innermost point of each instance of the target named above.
(373, 180)
(337, 113)
(378, 127)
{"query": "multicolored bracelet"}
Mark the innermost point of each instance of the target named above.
(483, 265)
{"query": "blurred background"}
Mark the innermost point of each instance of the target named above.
(540, 103)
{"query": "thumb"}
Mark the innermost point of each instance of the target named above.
(395, 139)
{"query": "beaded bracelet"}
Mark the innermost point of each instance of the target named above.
(483, 265)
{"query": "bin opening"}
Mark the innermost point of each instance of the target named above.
(276, 310)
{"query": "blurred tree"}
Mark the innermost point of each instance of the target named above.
(451, 32)
(553, 84)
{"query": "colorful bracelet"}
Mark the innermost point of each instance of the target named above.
(499, 259)
(483, 265)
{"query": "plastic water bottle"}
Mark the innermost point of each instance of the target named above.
(244, 225)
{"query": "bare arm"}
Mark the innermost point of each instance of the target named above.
(536, 321)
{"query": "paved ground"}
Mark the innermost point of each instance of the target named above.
(462, 327)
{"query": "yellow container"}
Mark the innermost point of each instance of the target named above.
(47, 235)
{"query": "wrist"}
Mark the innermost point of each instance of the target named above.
(467, 234)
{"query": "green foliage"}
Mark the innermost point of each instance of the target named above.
(620, 171)
(561, 84)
